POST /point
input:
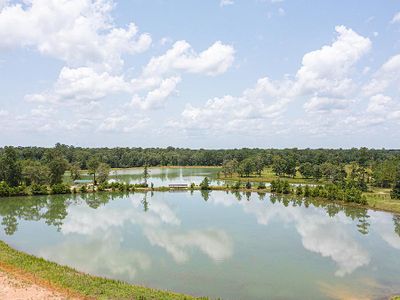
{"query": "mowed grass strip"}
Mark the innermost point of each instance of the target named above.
(74, 283)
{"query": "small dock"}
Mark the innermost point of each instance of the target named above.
(178, 185)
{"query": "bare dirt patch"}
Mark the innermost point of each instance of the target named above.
(17, 289)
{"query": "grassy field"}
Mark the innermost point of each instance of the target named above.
(379, 198)
(73, 283)
(268, 175)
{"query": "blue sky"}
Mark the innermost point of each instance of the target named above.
(200, 74)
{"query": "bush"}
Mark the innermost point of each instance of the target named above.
(83, 189)
(261, 186)
(38, 189)
(205, 184)
(248, 185)
(299, 190)
(237, 185)
(60, 188)
(4, 189)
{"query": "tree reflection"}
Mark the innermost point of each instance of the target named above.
(145, 203)
(396, 220)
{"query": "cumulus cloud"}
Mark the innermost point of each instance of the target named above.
(81, 84)
(181, 57)
(396, 18)
(80, 33)
(324, 76)
(387, 76)
(155, 98)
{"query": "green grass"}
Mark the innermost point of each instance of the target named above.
(84, 285)
(379, 198)
(268, 175)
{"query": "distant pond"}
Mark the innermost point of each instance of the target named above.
(217, 244)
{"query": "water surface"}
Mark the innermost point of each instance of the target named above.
(217, 244)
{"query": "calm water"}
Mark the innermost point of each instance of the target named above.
(218, 244)
(165, 176)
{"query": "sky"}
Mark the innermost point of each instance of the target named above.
(200, 74)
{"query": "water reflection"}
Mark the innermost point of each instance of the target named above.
(140, 237)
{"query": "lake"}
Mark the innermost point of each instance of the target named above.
(164, 176)
(217, 244)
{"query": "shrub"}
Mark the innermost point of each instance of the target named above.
(261, 186)
(38, 189)
(248, 185)
(205, 184)
(60, 188)
(237, 185)
(4, 189)
(83, 189)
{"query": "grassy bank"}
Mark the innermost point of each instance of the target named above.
(268, 175)
(72, 282)
(379, 198)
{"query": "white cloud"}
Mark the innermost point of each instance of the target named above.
(396, 18)
(388, 75)
(181, 57)
(379, 104)
(326, 71)
(81, 84)
(80, 33)
(157, 97)
(226, 2)
(265, 100)
(325, 104)
(123, 123)
(324, 76)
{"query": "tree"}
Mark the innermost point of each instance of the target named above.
(103, 172)
(57, 165)
(395, 192)
(317, 174)
(33, 172)
(306, 169)
(146, 174)
(278, 165)
(92, 165)
(246, 167)
(10, 167)
(205, 184)
(259, 164)
(75, 171)
(229, 167)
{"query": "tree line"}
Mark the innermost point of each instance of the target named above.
(39, 166)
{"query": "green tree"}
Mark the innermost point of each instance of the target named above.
(246, 167)
(75, 171)
(92, 164)
(10, 167)
(306, 169)
(57, 165)
(229, 167)
(395, 192)
(146, 174)
(259, 165)
(205, 184)
(103, 171)
(34, 172)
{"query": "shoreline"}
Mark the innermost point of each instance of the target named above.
(374, 207)
(73, 284)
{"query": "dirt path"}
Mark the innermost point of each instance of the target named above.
(17, 289)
